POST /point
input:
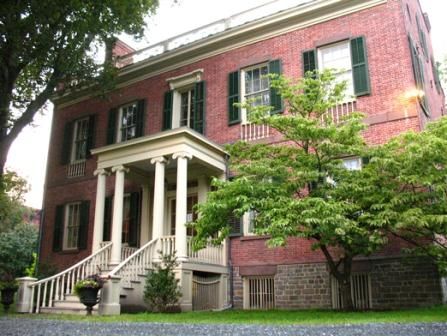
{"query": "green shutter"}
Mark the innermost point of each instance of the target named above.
(236, 226)
(199, 107)
(106, 234)
(418, 72)
(134, 223)
(141, 109)
(111, 127)
(359, 67)
(167, 111)
(67, 143)
(83, 225)
(91, 135)
(309, 61)
(234, 112)
(58, 228)
(275, 97)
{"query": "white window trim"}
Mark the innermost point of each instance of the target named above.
(66, 219)
(179, 85)
(119, 135)
(73, 140)
(244, 116)
(352, 159)
(349, 96)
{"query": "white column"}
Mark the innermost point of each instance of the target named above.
(145, 226)
(98, 227)
(159, 197)
(181, 204)
(117, 223)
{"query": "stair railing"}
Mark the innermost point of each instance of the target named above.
(58, 286)
(136, 264)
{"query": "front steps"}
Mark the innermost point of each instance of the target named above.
(70, 305)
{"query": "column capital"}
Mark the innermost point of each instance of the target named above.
(184, 155)
(101, 171)
(120, 168)
(159, 159)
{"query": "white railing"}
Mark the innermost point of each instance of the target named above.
(252, 132)
(211, 254)
(210, 29)
(136, 264)
(76, 169)
(127, 251)
(56, 287)
(339, 111)
(167, 245)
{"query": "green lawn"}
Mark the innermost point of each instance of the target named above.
(434, 314)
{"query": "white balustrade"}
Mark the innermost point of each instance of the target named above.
(136, 264)
(127, 251)
(252, 132)
(339, 111)
(208, 30)
(76, 169)
(58, 286)
(167, 245)
(211, 254)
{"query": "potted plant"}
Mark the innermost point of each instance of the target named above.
(87, 291)
(8, 287)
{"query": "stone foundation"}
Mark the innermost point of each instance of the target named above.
(395, 283)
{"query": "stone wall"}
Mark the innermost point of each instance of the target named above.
(404, 283)
(395, 283)
(302, 286)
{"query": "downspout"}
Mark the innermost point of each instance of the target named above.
(230, 262)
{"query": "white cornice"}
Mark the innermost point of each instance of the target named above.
(271, 26)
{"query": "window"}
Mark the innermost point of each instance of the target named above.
(252, 84)
(126, 122)
(80, 138)
(71, 226)
(187, 108)
(77, 142)
(338, 56)
(419, 75)
(249, 222)
(259, 292)
(348, 58)
(184, 104)
(353, 163)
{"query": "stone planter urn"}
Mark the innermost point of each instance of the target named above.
(88, 297)
(7, 297)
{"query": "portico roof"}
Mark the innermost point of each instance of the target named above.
(164, 144)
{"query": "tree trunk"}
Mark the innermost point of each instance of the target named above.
(343, 276)
(345, 291)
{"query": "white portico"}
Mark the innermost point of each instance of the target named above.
(173, 169)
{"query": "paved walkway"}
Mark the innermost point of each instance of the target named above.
(34, 327)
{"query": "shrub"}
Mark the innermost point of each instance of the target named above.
(162, 290)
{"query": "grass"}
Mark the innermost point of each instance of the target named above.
(433, 314)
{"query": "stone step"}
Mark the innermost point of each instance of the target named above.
(70, 311)
(68, 304)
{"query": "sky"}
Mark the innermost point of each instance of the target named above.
(28, 154)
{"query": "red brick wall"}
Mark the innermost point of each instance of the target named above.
(390, 72)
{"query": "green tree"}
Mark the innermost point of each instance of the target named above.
(410, 175)
(299, 187)
(17, 248)
(12, 210)
(162, 290)
(47, 42)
